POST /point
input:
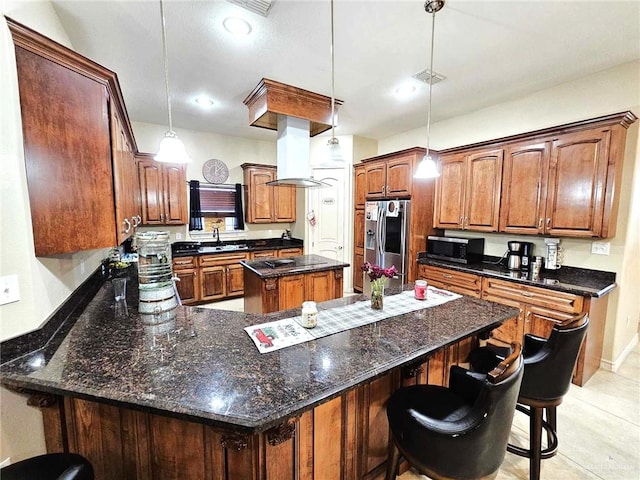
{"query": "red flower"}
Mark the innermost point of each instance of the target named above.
(375, 271)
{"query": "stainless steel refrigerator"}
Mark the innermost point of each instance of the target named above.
(386, 238)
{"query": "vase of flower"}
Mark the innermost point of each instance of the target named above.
(378, 277)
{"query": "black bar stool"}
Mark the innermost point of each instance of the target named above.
(460, 432)
(52, 466)
(548, 368)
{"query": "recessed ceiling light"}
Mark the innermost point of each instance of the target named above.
(405, 90)
(237, 26)
(204, 101)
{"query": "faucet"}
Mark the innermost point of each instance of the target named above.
(287, 234)
(216, 235)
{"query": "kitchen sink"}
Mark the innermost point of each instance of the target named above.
(221, 248)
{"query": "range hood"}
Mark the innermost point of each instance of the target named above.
(297, 115)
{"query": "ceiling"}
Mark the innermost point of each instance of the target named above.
(489, 52)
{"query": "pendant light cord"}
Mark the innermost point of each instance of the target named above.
(433, 27)
(166, 65)
(333, 100)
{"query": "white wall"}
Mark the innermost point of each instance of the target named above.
(606, 92)
(44, 283)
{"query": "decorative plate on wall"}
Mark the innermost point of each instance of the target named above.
(215, 171)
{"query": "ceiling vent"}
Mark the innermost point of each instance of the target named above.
(425, 75)
(261, 7)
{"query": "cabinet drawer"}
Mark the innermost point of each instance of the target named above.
(465, 283)
(507, 292)
(222, 259)
(264, 254)
(180, 263)
(289, 252)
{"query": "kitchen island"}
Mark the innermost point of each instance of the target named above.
(277, 284)
(192, 397)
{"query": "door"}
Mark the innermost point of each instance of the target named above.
(329, 205)
(449, 199)
(482, 191)
(175, 194)
(213, 283)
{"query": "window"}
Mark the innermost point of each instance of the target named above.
(218, 207)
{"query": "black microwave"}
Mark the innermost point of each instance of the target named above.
(454, 249)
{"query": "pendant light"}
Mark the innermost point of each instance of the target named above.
(333, 145)
(171, 147)
(427, 168)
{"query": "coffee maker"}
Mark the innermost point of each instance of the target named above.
(527, 255)
(514, 255)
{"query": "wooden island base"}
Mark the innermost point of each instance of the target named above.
(344, 438)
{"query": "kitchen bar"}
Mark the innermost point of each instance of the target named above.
(120, 391)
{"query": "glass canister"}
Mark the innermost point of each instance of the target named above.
(154, 260)
(309, 314)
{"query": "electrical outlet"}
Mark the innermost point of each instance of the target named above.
(601, 248)
(9, 291)
(178, 236)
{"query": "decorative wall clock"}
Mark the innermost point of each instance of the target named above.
(215, 171)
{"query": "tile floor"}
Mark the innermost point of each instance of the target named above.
(598, 427)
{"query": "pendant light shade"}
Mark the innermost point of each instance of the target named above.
(171, 147)
(334, 151)
(427, 168)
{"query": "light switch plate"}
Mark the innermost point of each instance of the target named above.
(601, 248)
(9, 291)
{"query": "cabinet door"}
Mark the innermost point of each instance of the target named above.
(540, 321)
(358, 274)
(399, 177)
(259, 196)
(376, 178)
(577, 181)
(360, 186)
(235, 280)
(482, 191)
(284, 203)
(125, 180)
(213, 283)
(319, 286)
(358, 229)
(67, 148)
(175, 194)
(187, 285)
(524, 188)
(512, 330)
(290, 292)
(449, 200)
(152, 197)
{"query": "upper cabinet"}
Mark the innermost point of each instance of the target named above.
(266, 203)
(163, 190)
(561, 181)
(391, 175)
(74, 154)
(468, 191)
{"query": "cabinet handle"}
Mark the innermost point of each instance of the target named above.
(446, 275)
(466, 221)
(195, 274)
(548, 222)
(139, 218)
(526, 294)
(383, 190)
(527, 317)
(461, 222)
(127, 224)
(540, 223)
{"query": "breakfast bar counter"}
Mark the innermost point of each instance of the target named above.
(193, 398)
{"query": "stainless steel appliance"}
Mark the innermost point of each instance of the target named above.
(386, 238)
(527, 255)
(454, 249)
(552, 259)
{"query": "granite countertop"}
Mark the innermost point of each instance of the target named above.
(203, 366)
(579, 281)
(281, 267)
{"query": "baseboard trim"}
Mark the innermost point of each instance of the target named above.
(615, 365)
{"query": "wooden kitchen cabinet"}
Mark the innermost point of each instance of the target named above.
(459, 282)
(188, 284)
(391, 175)
(264, 254)
(468, 191)
(221, 276)
(359, 199)
(266, 203)
(64, 102)
(360, 185)
(125, 177)
(291, 292)
(163, 191)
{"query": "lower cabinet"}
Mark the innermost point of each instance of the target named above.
(290, 252)
(208, 278)
(540, 309)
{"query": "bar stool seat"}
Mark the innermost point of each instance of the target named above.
(548, 368)
(460, 432)
(52, 466)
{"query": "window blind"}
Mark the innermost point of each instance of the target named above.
(218, 200)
